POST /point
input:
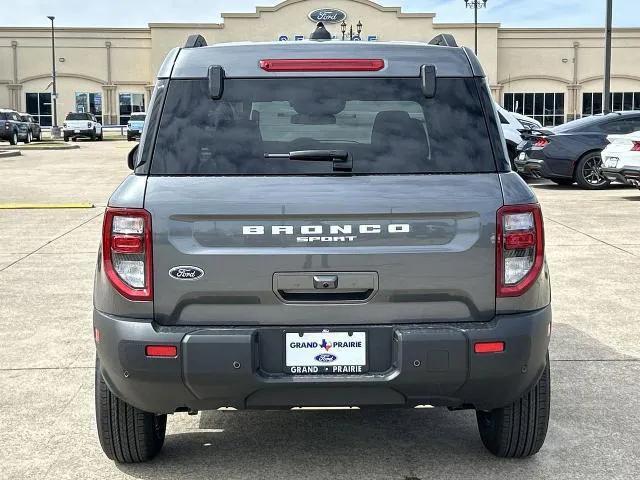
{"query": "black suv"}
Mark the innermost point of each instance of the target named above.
(12, 128)
(34, 127)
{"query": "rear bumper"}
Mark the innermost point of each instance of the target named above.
(529, 166)
(629, 176)
(73, 132)
(242, 367)
(537, 161)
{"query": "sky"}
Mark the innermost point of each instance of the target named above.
(138, 13)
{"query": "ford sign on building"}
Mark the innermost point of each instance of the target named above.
(327, 15)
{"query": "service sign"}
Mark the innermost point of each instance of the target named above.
(327, 15)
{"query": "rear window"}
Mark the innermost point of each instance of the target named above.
(386, 124)
(138, 117)
(79, 116)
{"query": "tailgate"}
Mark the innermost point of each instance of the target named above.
(399, 248)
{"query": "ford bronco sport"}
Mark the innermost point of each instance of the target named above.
(321, 224)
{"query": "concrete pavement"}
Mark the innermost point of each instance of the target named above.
(47, 258)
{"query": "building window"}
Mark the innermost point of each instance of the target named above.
(89, 103)
(39, 107)
(592, 103)
(547, 108)
(130, 103)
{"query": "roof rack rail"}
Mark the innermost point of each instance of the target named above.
(195, 41)
(444, 40)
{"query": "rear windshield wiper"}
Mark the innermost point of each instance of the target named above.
(342, 160)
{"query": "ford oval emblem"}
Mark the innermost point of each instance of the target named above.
(185, 272)
(326, 358)
(327, 15)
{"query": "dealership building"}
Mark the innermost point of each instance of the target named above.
(552, 74)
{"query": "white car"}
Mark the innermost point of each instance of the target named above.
(621, 159)
(78, 125)
(511, 124)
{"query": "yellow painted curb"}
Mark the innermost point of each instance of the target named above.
(43, 206)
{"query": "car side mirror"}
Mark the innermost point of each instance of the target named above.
(133, 157)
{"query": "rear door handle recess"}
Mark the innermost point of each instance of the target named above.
(325, 281)
(333, 287)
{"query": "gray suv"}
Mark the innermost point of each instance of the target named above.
(315, 224)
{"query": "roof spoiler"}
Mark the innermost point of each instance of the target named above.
(195, 41)
(444, 40)
(528, 133)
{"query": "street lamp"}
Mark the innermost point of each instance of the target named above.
(343, 28)
(607, 59)
(476, 4)
(55, 131)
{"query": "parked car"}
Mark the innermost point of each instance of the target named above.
(32, 125)
(572, 152)
(12, 128)
(135, 125)
(78, 125)
(346, 233)
(621, 159)
(512, 123)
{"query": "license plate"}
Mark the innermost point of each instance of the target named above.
(523, 156)
(325, 352)
(76, 131)
(610, 162)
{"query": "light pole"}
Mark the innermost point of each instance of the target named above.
(607, 58)
(343, 28)
(475, 4)
(55, 131)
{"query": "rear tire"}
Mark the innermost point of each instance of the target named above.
(29, 138)
(588, 174)
(14, 139)
(93, 135)
(518, 430)
(127, 434)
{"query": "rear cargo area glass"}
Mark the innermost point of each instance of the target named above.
(386, 124)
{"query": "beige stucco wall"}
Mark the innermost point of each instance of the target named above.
(290, 18)
(515, 60)
(165, 36)
(82, 62)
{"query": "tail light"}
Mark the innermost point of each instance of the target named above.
(636, 147)
(89, 124)
(322, 64)
(541, 142)
(126, 252)
(64, 125)
(519, 248)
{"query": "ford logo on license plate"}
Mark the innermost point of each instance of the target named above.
(326, 358)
